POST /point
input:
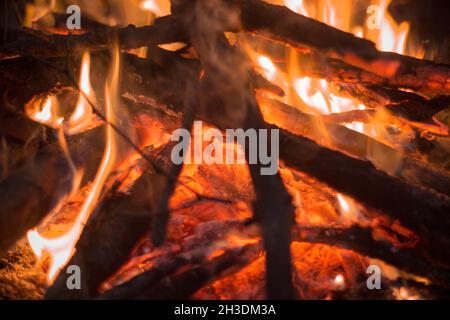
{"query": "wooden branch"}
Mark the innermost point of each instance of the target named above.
(368, 116)
(405, 105)
(38, 45)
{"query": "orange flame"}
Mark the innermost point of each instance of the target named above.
(61, 249)
(82, 116)
(392, 37)
(46, 112)
(152, 6)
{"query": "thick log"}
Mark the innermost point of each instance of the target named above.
(31, 192)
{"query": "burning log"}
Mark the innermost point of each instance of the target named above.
(354, 143)
(280, 23)
(41, 46)
(108, 238)
(38, 187)
(47, 179)
(162, 282)
(122, 219)
(406, 105)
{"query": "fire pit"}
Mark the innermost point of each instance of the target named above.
(223, 149)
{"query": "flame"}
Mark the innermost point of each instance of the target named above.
(317, 93)
(297, 6)
(45, 112)
(62, 248)
(152, 6)
(82, 116)
(392, 37)
(268, 67)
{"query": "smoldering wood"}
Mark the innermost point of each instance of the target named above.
(162, 283)
(191, 252)
(32, 191)
(360, 239)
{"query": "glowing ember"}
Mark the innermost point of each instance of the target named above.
(339, 282)
(404, 293)
(392, 37)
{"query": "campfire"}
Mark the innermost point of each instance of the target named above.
(123, 174)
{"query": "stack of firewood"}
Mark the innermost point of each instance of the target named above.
(218, 85)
